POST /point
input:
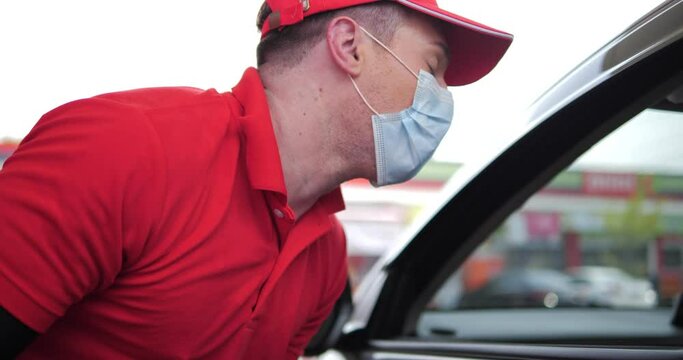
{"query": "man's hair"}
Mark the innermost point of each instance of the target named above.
(288, 46)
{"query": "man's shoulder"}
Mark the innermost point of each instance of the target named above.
(153, 98)
(174, 119)
(135, 103)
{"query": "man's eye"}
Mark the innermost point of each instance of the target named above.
(433, 66)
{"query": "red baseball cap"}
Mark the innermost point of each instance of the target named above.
(475, 48)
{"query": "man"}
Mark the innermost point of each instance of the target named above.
(181, 223)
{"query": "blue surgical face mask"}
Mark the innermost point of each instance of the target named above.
(406, 140)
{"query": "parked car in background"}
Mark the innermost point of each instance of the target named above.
(525, 288)
(596, 179)
(612, 287)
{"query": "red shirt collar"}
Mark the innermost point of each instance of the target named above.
(264, 166)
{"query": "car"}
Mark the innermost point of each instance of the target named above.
(524, 288)
(612, 287)
(595, 179)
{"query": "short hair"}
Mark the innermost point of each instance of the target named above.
(289, 46)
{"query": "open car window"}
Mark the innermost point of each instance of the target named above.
(595, 254)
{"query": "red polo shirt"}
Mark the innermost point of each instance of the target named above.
(154, 224)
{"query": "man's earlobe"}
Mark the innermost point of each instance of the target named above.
(343, 40)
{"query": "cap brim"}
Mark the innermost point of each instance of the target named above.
(475, 48)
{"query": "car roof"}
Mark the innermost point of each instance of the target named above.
(650, 33)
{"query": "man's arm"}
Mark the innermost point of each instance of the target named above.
(65, 194)
(14, 335)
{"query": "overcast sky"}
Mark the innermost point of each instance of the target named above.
(52, 52)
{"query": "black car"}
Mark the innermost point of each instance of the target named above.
(622, 109)
(524, 288)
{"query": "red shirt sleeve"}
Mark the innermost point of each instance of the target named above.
(336, 286)
(77, 200)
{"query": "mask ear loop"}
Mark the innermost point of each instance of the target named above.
(363, 97)
(392, 54)
(389, 50)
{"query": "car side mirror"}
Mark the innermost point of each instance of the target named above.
(331, 330)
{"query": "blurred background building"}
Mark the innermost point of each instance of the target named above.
(6, 148)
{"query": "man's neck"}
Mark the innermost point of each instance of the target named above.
(310, 164)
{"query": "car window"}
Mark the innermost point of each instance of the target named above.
(606, 233)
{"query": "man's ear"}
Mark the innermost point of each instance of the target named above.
(344, 40)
